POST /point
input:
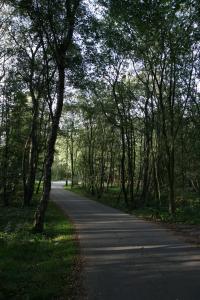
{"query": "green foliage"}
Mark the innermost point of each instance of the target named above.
(36, 266)
(131, 117)
(183, 215)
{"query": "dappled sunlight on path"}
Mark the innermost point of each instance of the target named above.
(128, 258)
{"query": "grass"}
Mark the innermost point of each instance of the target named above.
(36, 266)
(187, 213)
(183, 215)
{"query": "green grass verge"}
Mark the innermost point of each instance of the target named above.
(36, 266)
(188, 214)
(183, 215)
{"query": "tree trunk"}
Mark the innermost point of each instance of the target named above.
(40, 213)
(29, 168)
(172, 206)
(30, 181)
(72, 160)
(130, 165)
(6, 157)
(123, 167)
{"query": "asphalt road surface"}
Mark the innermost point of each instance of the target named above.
(126, 258)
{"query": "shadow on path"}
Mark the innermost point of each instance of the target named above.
(127, 258)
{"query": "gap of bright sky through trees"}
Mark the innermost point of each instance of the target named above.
(104, 95)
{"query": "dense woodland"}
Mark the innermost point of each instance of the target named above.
(117, 84)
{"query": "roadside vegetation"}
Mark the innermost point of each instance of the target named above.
(102, 94)
(189, 213)
(37, 266)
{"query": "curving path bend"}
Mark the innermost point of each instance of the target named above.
(126, 258)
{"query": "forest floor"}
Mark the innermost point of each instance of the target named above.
(125, 257)
(37, 266)
(186, 220)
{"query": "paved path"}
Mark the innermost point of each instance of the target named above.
(127, 258)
